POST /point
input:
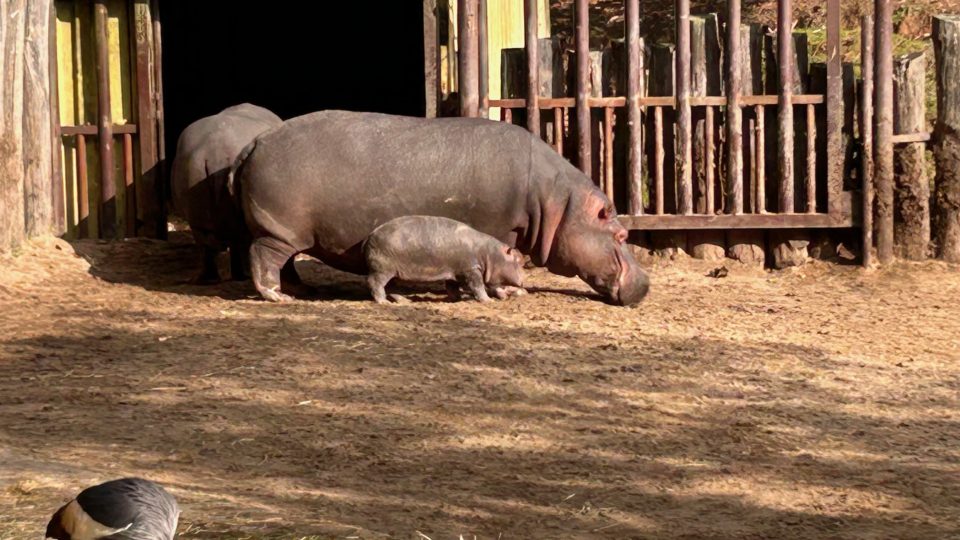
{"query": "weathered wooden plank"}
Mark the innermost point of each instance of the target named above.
(163, 177)
(732, 221)
(130, 207)
(883, 130)
(531, 46)
(785, 131)
(634, 117)
(835, 109)
(582, 40)
(83, 191)
(108, 185)
(908, 138)
(146, 188)
(118, 129)
(811, 175)
(946, 40)
(12, 28)
(734, 124)
(608, 181)
(483, 59)
(468, 55)
(431, 57)
(684, 157)
(37, 143)
(59, 214)
(657, 101)
(911, 233)
(866, 138)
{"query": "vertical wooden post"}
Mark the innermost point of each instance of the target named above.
(130, 210)
(431, 58)
(56, 141)
(760, 158)
(12, 28)
(884, 130)
(662, 68)
(483, 47)
(946, 41)
(659, 158)
(582, 39)
(83, 190)
(866, 136)
(608, 152)
(37, 148)
(558, 130)
(634, 118)
(108, 183)
(734, 123)
(163, 178)
(835, 111)
(468, 58)
(148, 181)
(531, 45)
(684, 158)
(811, 176)
(911, 232)
(785, 137)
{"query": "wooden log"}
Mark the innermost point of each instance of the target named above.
(911, 231)
(608, 179)
(87, 226)
(162, 193)
(659, 157)
(483, 59)
(531, 45)
(663, 149)
(734, 124)
(747, 246)
(684, 157)
(866, 138)
(595, 91)
(706, 69)
(635, 90)
(108, 185)
(147, 181)
(946, 41)
(37, 143)
(431, 58)
(785, 126)
(558, 130)
(468, 58)
(551, 85)
(12, 29)
(883, 130)
(582, 40)
(810, 178)
(130, 208)
(837, 109)
(59, 214)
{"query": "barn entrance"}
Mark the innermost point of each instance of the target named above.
(296, 59)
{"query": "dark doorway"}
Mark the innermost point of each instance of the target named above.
(290, 57)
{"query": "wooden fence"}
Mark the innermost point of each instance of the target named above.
(729, 128)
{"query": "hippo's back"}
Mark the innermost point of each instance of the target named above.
(332, 177)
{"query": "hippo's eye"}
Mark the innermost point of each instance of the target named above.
(604, 214)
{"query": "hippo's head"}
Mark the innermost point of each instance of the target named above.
(588, 240)
(506, 268)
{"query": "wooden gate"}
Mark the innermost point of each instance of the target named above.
(108, 99)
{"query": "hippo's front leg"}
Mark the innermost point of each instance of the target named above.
(378, 286)
(508, 291)
(474, 282)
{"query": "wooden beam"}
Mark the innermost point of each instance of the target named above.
(483, 52)
(468, 54)
(582, 40)
(531, 46)
(163, 179)
(684, 156)
(108, 183)
(730, 221)
(56, 172)
(946, 47)
(786, 61)
(431, 58)
(835, 108)
(912, 184)
(734, 124)
(635, 77)
(883, 130)
(866, 138)
(37, 142)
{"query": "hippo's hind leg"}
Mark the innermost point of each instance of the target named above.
(267, 257)
(209, 274)
(239, 261)
(474, 281)
(377, 281)
(291, 280)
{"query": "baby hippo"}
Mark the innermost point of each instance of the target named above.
(426, 248)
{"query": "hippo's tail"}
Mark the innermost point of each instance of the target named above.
(233, 181)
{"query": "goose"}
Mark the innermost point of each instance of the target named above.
(124, 509)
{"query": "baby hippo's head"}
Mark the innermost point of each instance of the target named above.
(506, 268)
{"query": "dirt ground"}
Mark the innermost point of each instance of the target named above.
(815, 403)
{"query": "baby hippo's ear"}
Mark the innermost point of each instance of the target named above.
(515, 254)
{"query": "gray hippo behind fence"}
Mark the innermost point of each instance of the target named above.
(206, 150)
(321, 183)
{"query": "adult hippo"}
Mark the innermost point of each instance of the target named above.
(205, 151)
(322, 182)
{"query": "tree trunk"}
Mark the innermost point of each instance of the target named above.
(911, 233)
(946, 41)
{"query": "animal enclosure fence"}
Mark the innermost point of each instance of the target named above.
(731, 127)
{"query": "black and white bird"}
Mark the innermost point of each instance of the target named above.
(125, 509)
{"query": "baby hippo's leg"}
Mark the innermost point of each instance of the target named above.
(453, 290)
(267, 256)
(474, 280)
(508, 291)
(377, 282)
